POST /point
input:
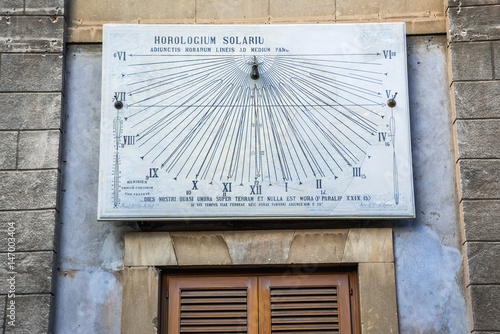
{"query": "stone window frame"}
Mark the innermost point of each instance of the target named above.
(370, 249)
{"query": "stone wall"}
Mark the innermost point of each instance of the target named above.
(31, 70)
(474, 37)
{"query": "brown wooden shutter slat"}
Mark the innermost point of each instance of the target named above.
(294, 320)
(214, 329)
(217, 314)
(304, 312)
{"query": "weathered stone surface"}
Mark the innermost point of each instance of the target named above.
(317, 246)
(140, 301)
(485, 307)
(483, 258)
(30, 72)
(3, 300)
(477, 23)
(360, 10)
(12, 7)
(31, 33)
(32, 315)
(471, 61)
(47, 7)
(33, 272)
(200, 248)
(259, 247)
(478, 138)
(38, 149)
(34, 230)
(315, 9)
(83, 12)
(229, 10)
(369, 245)
(149, 249)
(481, 220)
(377, 306)
(28, 190)
(455, 3)
(350, 9)
(20, 111)
(496, 57)
(477, 99)
(480, 179)
(8, 154)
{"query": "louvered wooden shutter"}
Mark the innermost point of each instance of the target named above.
(301, 304)
(205, 305)
(281, 304)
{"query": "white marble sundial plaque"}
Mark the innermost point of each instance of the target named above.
(255, 121)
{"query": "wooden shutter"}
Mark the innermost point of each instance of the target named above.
(205, 305)
(300, 304)
(267, 304)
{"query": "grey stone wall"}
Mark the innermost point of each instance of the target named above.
(474, 37)
(31, 70)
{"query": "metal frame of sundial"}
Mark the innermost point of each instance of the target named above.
(255, 122)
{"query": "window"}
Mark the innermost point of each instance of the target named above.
(259, 304)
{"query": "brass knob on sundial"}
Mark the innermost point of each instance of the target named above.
(118, 104)
(392, 101)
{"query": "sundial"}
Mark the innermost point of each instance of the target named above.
(255, 121)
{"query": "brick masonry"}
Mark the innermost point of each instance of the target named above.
(474, 37)
(31, 72)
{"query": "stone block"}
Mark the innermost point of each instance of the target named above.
(232, 11)
(356, 9)
(369, 245)
(30, 111)
(496, 60)
(34, 230)
(33, 272)
(477, 23)
(105, 11)
(420, 9)
(200, 248)
(477, 99)
(480, 179)
(12, 7)
(32, 315)
(45, 7)
(149, 249)
(314, 9)
(485, 307)
(455, 3)
(30, 72)
(140, 301)
(478, 138)
(28, 190)
(481, 220)
(8, 154)
(259, 247)
(31, 33)
(317, 246)
(471, 61)
(483, 258)
(38, 149)
(377, 307)
(3, 300)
